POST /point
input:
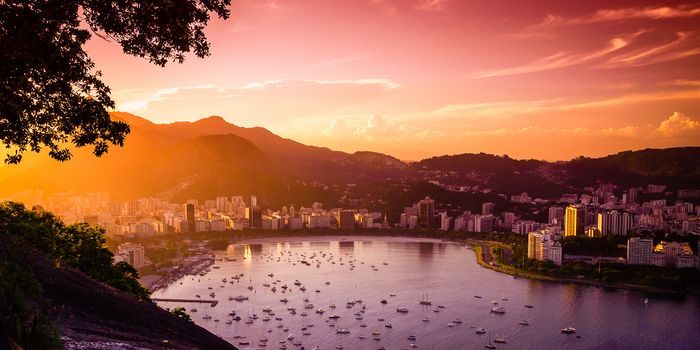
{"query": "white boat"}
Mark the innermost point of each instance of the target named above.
(524, 323)
(342, 331)
(402, 310)
(480, 331)
(498, 310)
(568, 330)
(238, 298)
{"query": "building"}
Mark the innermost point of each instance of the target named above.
(426, 213)
(445, 222)
(556, 215)
(541, 245)
(483, 223)
(134, 254)
(574, 220)
(683, 261)
(254, 217)
(614, 222)
(508, 219)
(487, 208)
(639, 251)
(346, 219)
(189, 217)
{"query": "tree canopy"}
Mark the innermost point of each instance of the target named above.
(51, 96)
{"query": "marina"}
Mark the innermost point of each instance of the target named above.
(365, 303)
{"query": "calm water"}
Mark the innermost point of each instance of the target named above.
(450, 277)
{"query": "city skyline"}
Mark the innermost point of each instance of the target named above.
(422, 78)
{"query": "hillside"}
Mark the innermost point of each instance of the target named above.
(677, 167)
(59, 285)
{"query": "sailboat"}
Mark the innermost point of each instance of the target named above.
(490, 345)
(425, 300)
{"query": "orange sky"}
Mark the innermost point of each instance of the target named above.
(416, 78)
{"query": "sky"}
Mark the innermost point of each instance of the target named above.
(417, 78)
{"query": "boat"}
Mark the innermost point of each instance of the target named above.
(334, 316)
(290, 336)
(499, 340)
(524, 323)
(383, 301)
(284, 300)
(402, 310)
(342, 331)
(477, 296)
(490, 346)
(424, 300)
(411, 337)
(207, 317)
(193, 310)
(568, 330)
(388, 325)
(480, 331)
(529, 306)
(238, 298)
(498, 310)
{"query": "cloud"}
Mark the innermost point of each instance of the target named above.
(375, 128)
(627, 131)
(433, 5)
(654, 54)
(563, 59)
(621, 14)
(140, 105)
(508, 109)
(386, 84)
(678, 123)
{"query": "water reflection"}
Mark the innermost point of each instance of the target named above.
(374, 270)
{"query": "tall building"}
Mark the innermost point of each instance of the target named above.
(253, 201)
(426, 213)
(189, 217)
(614, 222)
(574, 220)
(254, 217)
(483, 223)
(541, 245)
(487, 208)
(556, 214)
(132, 253)
(346, 219)
(639, 251)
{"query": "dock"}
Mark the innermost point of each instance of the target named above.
(212, 302)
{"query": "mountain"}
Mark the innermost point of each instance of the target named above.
(212, 157)
(677, 167)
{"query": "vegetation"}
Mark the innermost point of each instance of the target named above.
(609, 245)
(50, 95)
(26, 232)
(181, 313)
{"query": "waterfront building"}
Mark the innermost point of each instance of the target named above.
(426, 213)
(542, 245)
(683, 261)
(346, 219)
(483, 223)
(189, 217)
(574, 220)
(639, 251)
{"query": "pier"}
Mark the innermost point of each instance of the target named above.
(212, 302)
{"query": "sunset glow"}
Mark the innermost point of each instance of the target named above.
(418, 78)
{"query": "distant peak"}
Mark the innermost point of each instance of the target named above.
(130, 119)
(213, 119)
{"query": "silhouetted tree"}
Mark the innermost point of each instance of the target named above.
(50, 94)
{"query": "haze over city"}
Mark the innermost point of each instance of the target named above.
(421, 78)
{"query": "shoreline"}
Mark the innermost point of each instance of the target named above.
(539, 277)
(472, 244)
